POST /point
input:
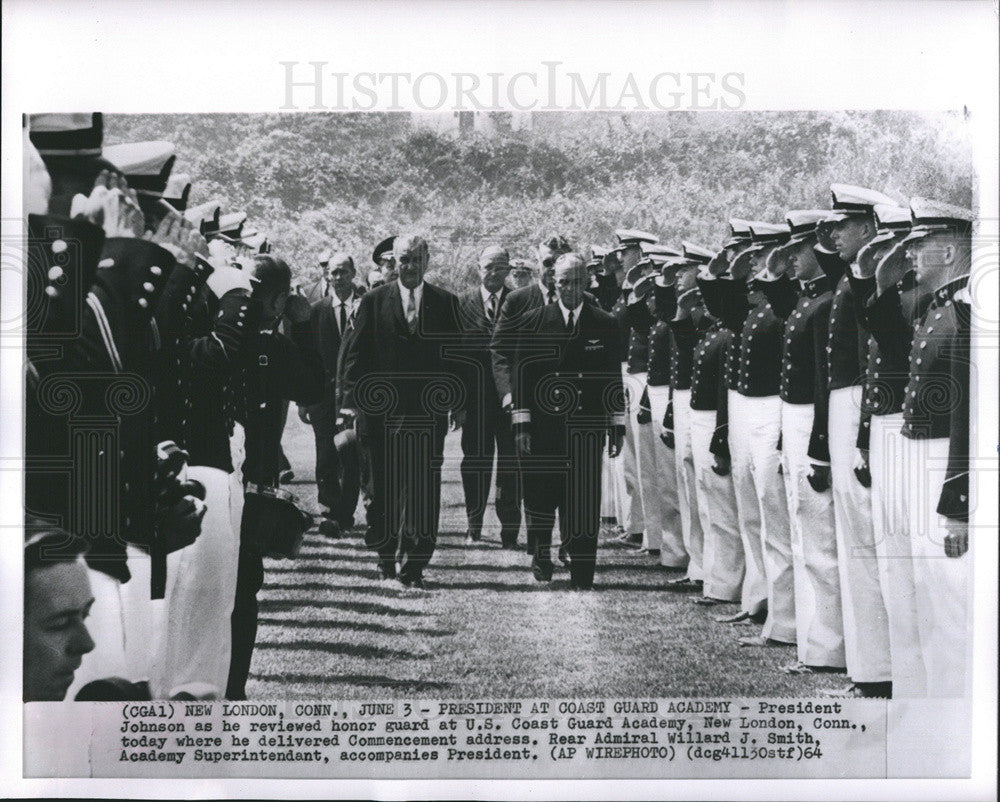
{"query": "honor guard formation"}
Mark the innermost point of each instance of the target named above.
(780, 423)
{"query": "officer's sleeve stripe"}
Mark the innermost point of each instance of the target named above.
(520, 416)
(105, 328)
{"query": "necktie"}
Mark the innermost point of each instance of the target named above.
(411, 311)
(491, 307)
(569, 321)
(343, 318)
(551, 297)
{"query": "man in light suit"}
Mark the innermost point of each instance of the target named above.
(487, 426)
(331, 317)
(569, 400)
(402, 370)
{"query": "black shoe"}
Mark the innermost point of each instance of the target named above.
(386, 571)
(472, 538)
(411, 580)
(542, 571)
(684, 585)
(330, 528)
(286, 476)
(860, 690)
(346, 524)
(510, 545)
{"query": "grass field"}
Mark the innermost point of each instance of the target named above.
(484, 628)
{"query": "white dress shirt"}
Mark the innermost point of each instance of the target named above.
(404, 295)
(565, 313)
(350, 307)
(485, 293)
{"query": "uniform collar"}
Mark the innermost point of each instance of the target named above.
(565, 312)
(485, 293)
(946, 292)
(817, 286)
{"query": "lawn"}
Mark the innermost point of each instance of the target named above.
(484, 628)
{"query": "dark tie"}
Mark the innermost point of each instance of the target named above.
(569, 321)
(551, 297)
(343, 319)
(491, 307)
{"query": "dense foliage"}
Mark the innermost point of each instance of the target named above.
(312, 181)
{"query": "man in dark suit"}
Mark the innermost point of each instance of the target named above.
(487, 426)
(402, 370)
(568, 398)
(330, 320)
(515, 310)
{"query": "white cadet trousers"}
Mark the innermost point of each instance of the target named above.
(866, 626)
(687, 486)
(724, 565)
(754, 429)
(107, 629)
(673, 552)
(819, 619)
(635, 383)
(194, 645)
(941, 583)
(891, 460)
(630, 514)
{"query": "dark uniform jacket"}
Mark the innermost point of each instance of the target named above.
(803, 361)
(936, 401)
(276, 368)
(709, 390)
(567, 379)
(888, 369)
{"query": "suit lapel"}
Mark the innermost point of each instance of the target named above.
(395, 300)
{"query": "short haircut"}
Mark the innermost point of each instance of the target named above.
(46, 545)
(273, 275)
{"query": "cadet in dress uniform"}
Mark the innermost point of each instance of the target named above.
(639, 436)
(723, 559)
(803, 300)
(688, 324)
(755, 428)
(214, 304)
(864, 565)
(840, 236)
(664, 532)
(487, 428)
(926, 593)
(568, 402)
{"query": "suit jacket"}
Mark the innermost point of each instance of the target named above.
(514, 311)
(328, 339)
(477, 337)
(390, 372)
(567, 379)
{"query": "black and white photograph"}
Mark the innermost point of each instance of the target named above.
(478, 435)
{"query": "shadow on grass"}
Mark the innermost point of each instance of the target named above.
(365, 608)
(346, 649)
(358, 626)
(364, 680)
